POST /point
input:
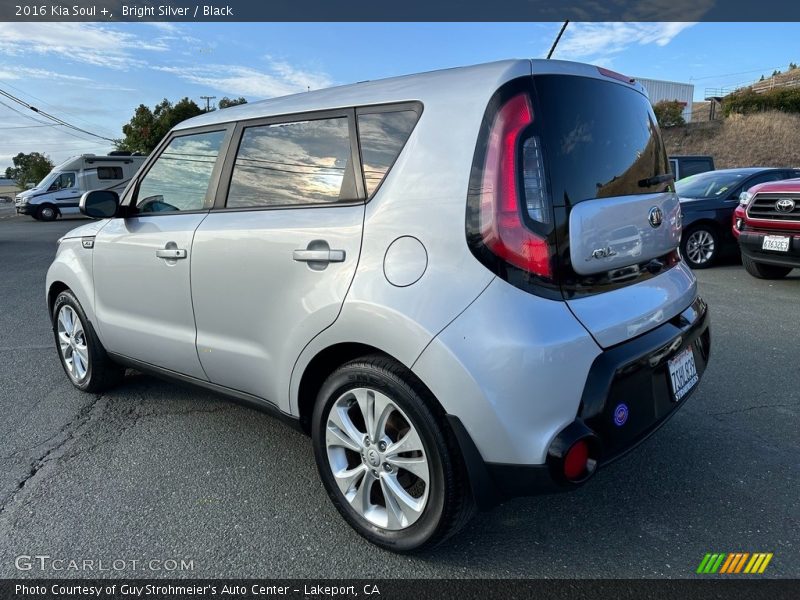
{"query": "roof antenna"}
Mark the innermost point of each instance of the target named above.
(558, 38)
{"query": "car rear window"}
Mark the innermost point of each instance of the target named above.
(382, 136)
(599, 139)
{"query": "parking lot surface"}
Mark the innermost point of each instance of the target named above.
(156, 471)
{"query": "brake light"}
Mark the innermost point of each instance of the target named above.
(501, 224)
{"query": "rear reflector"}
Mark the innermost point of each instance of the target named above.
(576, 461)
(501, 226)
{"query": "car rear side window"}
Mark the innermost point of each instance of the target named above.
(179, 178)
(109, 172)
(382, 136)
(289, 164)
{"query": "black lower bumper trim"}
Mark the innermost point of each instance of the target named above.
(751, 242)
(634, 373)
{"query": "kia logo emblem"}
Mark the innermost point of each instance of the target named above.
(785, 205)
(656, 217)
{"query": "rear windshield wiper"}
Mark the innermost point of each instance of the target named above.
(656, 179)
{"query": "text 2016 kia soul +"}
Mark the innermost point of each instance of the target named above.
(463, 284)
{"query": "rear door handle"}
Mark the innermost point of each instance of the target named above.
(171, 253)
(318, 255)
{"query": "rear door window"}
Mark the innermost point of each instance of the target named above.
(599, 139)
(382, 136)
(290, 164)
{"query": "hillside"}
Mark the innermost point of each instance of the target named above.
(770, 139)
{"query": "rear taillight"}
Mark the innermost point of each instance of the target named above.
(501, 223)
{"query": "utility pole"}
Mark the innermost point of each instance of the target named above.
(208, 100)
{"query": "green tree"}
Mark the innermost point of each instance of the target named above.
(792, 66)
(228, 102)
(669, 113)
(29, 168)
(148, 127)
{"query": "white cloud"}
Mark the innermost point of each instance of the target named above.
(88, 43)
(278, 79)
(603, 40)
(17, 72)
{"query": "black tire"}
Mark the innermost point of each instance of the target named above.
(763, 270)
(449, 505)
(700, 259)
(47, 212)
(101, 372)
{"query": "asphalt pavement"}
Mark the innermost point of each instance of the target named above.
(154, 471)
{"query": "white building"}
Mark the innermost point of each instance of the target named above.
(670, 90)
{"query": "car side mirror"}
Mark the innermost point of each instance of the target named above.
(99, 204)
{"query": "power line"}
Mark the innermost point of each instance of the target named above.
(43, 101)
(51, 117)
(29, 126)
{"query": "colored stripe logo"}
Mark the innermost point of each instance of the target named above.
(731, 563)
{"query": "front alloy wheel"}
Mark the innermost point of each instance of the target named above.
(83, 357)
(377, 459)
(72, 343)
(699, 249)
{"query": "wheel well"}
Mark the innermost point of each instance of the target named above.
(55, 289)
(317, 371)
(326, 362)
(51, 205)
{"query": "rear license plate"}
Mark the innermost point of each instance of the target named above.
(776, 243)
(682, 374)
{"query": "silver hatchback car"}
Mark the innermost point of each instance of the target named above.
(464, 284)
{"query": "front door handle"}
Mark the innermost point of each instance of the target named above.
(318, 255)
(171, 253)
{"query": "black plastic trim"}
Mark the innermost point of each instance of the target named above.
(234, 395)
(492, 483)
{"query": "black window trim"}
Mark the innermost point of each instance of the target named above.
(130, 194)
(223, 187)
(413, 106)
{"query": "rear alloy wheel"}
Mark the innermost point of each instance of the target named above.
(763, 270)
(46, 213)
(699, 247)
(388, 462)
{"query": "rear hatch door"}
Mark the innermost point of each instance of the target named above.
(617, 216)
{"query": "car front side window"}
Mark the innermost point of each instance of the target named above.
(179, 178)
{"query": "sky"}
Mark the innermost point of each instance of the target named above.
(94, 75)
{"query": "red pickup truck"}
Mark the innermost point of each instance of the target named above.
(767, 225)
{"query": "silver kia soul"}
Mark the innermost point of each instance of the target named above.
(464, 284)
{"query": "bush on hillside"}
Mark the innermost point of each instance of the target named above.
(747, 101)
(669, 113)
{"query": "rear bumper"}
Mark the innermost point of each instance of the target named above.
(751, 242)
(633, 374)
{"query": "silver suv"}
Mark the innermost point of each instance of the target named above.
(462, 284)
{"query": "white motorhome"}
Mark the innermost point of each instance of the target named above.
(60, 191)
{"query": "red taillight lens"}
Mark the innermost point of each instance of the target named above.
(576, 461)
(501, 224)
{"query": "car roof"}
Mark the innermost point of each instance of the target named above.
(476, 82)
(749, 170)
